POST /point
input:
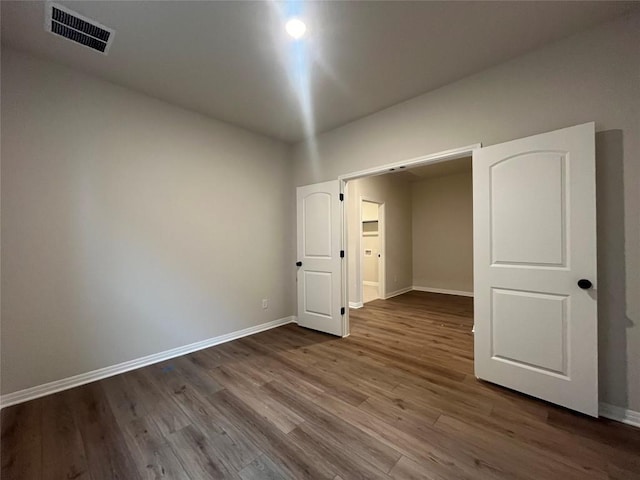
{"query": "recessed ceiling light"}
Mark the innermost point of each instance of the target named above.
(296, 28)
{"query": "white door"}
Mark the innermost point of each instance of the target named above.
(319, 262)
(534, 214)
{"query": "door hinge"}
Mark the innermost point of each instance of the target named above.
(342, 197)
(341, 253)
(342, 310)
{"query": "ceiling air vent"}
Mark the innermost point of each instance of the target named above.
(73, 26)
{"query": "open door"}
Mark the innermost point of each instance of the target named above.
(319, 262)
(534, 214)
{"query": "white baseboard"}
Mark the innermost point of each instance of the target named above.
(443, 290)
(397, 292)
(355, 304)
(88, 377)
(619, 414)
(370, 284)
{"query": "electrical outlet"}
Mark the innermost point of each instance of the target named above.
(265, 303)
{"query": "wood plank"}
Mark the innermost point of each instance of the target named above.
(103, 440)
(198, 456)
(333, 454)
(407, 469)
(233, 449)
(263, 468)
(497, 450)
(154, 457)
(275, 412)
(21, 445)
(157, 402)
(396, 399)
(354, 439)
(63, 454)
(296, 462)
(124, 403)
(451, 457)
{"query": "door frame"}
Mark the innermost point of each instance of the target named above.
(429, 159)
(381, 246)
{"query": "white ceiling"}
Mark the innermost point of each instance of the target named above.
(229, 60)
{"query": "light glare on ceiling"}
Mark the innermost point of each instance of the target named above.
(296, 28)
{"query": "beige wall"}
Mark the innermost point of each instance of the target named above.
(443, 232)
(593, 76)
(396, 196)
(129, 226)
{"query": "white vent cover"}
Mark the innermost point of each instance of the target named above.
(66, 23)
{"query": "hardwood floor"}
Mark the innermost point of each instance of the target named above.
(397, 399)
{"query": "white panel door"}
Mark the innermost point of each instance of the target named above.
(319, 263)
(534, 214)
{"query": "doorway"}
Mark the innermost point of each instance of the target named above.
(390, 194)
(534, 262)
(372, 232)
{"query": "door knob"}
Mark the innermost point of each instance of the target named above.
(584, 284)
(298, 264)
